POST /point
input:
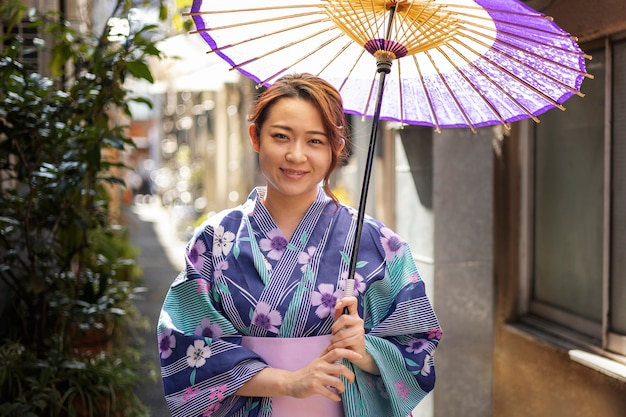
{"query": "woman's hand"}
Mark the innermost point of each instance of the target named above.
(321, 376)
(349, 333)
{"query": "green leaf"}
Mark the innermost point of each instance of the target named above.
(222, 287)
(192, 377)
(345, 258)
(142, 100)
(140, 70)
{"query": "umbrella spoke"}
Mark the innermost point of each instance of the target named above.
(255, 22)
(451, 93)
(369, 95)
(497, 86)
(302, 58)
(527, 66)
(280, 48)
(431, 105)
(400, 96)
(354, 65)
(265, 35)
(531, 40)
(473, 87)
(532, 54)
(253, 9)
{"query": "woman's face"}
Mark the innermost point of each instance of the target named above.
(294, 151)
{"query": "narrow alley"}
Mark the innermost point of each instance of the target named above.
(160, 259)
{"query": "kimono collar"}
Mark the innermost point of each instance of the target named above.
(254, 205)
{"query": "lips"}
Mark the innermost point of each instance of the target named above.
(293, 172)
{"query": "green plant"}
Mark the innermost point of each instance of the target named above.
(65, 261)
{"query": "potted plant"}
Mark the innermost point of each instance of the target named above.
(67, 268)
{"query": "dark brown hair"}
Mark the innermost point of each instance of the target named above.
(324, 97)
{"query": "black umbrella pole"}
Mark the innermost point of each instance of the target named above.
(383, 70)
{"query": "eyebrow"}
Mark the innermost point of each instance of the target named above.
(315, 132)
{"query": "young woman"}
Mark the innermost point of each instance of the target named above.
(254, 325)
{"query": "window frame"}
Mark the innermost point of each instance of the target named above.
(568, 326)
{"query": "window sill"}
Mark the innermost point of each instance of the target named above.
(584, 352)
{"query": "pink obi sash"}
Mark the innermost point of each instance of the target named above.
(293, 353)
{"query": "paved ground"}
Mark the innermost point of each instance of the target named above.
(160, 259)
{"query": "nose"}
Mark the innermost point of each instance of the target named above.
(295, 153)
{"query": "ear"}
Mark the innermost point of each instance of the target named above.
(342, 144)
(254, 139)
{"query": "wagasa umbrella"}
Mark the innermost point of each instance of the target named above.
(439, 63)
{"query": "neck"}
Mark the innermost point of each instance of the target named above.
(287, 212)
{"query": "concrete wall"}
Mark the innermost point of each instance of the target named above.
(463, 229)
(444, 189)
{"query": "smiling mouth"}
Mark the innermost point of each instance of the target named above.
(293, 172)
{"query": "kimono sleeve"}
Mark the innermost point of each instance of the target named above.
(202, 362)
(402, 333)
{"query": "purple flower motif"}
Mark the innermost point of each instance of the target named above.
(266, 318)
(326, 299)
(416, 346)
(305, 257)
(219, 267)
(167, 342)
(195, 254)
(206, 329)
(359, 283)
(392, 243)
(197, 354)
(276, 244)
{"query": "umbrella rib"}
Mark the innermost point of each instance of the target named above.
(488, 78)
(539, 16)
(360, 32)
(520, 62)
(302, 58)
(454, 97)
(221, 48)
(241, 64)
(400, 95)
(369, 96)
(427, 94)
(253, 9)
(341, 51)
(254, 22)
(526, 39)
(495, 84)
(426, 28)
(515, 24)
(345, 80)
(521, 81)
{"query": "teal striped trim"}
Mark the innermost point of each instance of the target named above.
(186, 307)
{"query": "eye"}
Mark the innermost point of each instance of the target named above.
(280, 136)
(317, 141)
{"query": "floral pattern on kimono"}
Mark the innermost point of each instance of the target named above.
(244, 278)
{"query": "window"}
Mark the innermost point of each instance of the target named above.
(575, 218)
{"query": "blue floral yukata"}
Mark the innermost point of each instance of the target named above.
(243, 278)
